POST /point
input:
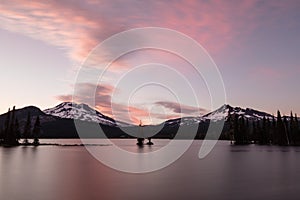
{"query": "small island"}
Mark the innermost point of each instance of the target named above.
(140, 141)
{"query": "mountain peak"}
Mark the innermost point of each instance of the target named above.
(84, 112)
(221, 113)
(226, 110)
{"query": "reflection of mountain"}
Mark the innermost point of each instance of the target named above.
(58, 122)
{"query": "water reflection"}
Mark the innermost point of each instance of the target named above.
(229, 172)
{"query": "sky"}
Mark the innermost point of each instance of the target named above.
(255, 45)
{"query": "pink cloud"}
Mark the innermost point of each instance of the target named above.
(81, 25)
(61, 23)
(181, 108)
(65, 98)
(102, 101)
(78, 26)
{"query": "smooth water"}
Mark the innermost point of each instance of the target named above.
(228, 172)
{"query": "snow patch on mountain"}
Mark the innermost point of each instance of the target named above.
(69, 110)
(221, 113)
(184, 121)
(226, 110)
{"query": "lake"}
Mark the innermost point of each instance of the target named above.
(228, 172)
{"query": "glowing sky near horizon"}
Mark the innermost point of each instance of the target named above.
(254, 43)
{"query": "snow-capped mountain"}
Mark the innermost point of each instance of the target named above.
(221, 113)
(56, 124)
(69, 110)
(226, 110)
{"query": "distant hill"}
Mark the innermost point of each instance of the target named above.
(21, 115)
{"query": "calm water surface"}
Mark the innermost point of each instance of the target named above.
(229, 172)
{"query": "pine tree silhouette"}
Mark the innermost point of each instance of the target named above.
(1, 135)
(242, 130)
(268, 131)
(273, 131)
(297, 131)
(231, 128)
(9, 135)
(27, 129)
(12, 139)
(236, 129)
(36, 131)
(6, 129)
(254, 131)
(258, 132)
(280, 131)
(292, 130)
(17, 130)
(263, 134)
(286, 129)
(247, 127)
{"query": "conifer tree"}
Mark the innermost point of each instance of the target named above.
(12, 133)
(1, 135)
(273, 130)
(263, 136)
(247, 131)
(292, 130)
(265, 131)
(254, 132)
(27, 129)
(268, 129)
(17, 130)
(6, 128)
(259, 132)
(281, 138)
(36, 131)
(297, 131)
(286, 128)
(242, 130)
(231, 127)
(236, 131)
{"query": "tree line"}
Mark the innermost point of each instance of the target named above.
(266, 131)
(11, 134)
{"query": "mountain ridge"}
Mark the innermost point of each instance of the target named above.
(222, 112)
(81, 111)
(58, 122)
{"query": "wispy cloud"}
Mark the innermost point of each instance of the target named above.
(102, 101)
(101, 97)
(74, 25)
(80, 25)
(178, 108)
